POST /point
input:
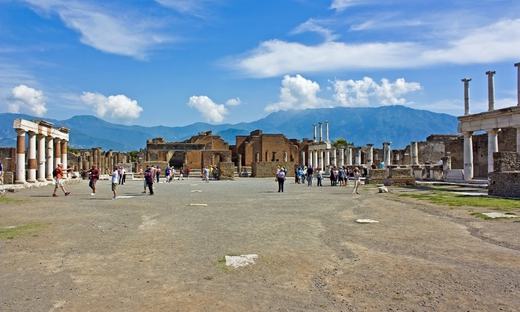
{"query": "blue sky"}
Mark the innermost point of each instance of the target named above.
(176, 62)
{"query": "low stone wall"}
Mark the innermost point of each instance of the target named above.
(376, 176)
(505, 184)
(400, 177)
(227, 171)
(506, 161)
(268, 169)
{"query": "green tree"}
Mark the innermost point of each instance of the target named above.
(133, 155)
(72, 150)
(341, 142)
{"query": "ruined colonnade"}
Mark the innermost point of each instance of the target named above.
(47, 148)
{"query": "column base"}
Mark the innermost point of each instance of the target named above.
(31, 181)
(41, 180)
(19, 182)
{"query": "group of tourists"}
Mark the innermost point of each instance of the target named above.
(339, 176)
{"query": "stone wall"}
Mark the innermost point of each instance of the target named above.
(268, 169)
(377, 176)
(504, 184)
(227, 171)
(8, 158)
(506, 161)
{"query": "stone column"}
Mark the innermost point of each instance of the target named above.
(239, 165)
(321, 132)
(64, 154)
(415, 154)
(370, 155)
(333, 157)
(326, 131)
(342, 157)
(358, 157)
(320, 159)
(31, 158)
(468, 156)
(492, 146)
(314, 131)
(491, 90)
(49, 141)
(386, 153)
(95, 158)
(466, 95)
(41, 158)
(349, 156)
(315, 159)
(302, 158)
(518, 84)
(327, 158)
(20, 157)
(57, 151)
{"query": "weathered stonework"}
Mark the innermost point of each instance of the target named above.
(268, 169)
(227, 171)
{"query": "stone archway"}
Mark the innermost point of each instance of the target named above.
(177, 159)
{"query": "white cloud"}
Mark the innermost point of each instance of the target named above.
(207, 108)
(492, 43)
(298, 93)
(193, 7)
(312, 26)
(26, 98)
(118, 107)
(359, 92)
(341, 5)
(233, 102)
(105, 29)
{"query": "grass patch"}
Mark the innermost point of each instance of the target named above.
(208, 278)
(457, 200)
(483, 216)
(21, 231)
(9, 200)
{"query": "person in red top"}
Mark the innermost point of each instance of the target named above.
(58, 174)
(94, 176)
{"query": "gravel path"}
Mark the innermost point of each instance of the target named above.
(165, 252)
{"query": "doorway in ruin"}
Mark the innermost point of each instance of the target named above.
(177, 159)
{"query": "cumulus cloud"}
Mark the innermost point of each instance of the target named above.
(207, 108)
(233, 102)
(117, 107)
(124, 33)
(298, 93)
(26, 98)
(359, 92)
(492, 43)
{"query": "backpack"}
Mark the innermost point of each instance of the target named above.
(148, 175)
(54, 172)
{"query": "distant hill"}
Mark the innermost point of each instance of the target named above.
(397, 124)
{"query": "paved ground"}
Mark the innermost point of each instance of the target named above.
(158, 253)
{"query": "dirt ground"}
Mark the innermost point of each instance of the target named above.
(159, 253)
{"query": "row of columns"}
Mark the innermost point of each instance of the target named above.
(47, 147)
(492, 133)
(320, 131)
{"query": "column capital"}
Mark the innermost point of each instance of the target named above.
(490, 72)
(465, 80)
(517, 64)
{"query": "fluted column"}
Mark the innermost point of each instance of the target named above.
(302, 158)
(386, 151)
(492, 147)
(57, 151)
(466, 95)
(320, 159)
(491, 90)
(64, 158)
(468, 156)
(358, 157)
(31, 158)
(370, 155)
(321, 132)
(49, 141)
(333, 157)
(20, 157)
(349, 155)
(326, 131)
(314, 132)
(415, 154)
(41, 158)
(327, 158)
(315, 159)
(517, 65)
(342, 157)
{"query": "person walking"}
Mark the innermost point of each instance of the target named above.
(280, 176)
(94, 176)
(310, 176)
(205, 174)
(1, 173)
(157, 173)
(115, 179)
(357, 180)
(319, 176)
(149, 178)
(58, 182)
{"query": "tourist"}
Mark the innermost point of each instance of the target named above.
(299, 172)
(167, 174)
(341, 176)
(94, 176)
(357, 180)
(205, 174)
(181, 174)
(310, 176)
(1, 173)
(280, 176)
(331, 176)
(173, 173)
(373, 166)
(148, 179)
(58, 182)
(122, 175)
(188, 170)
(319, 176)
(157, 173)
(115, 179)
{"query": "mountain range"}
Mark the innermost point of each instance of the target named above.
(397, 124)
